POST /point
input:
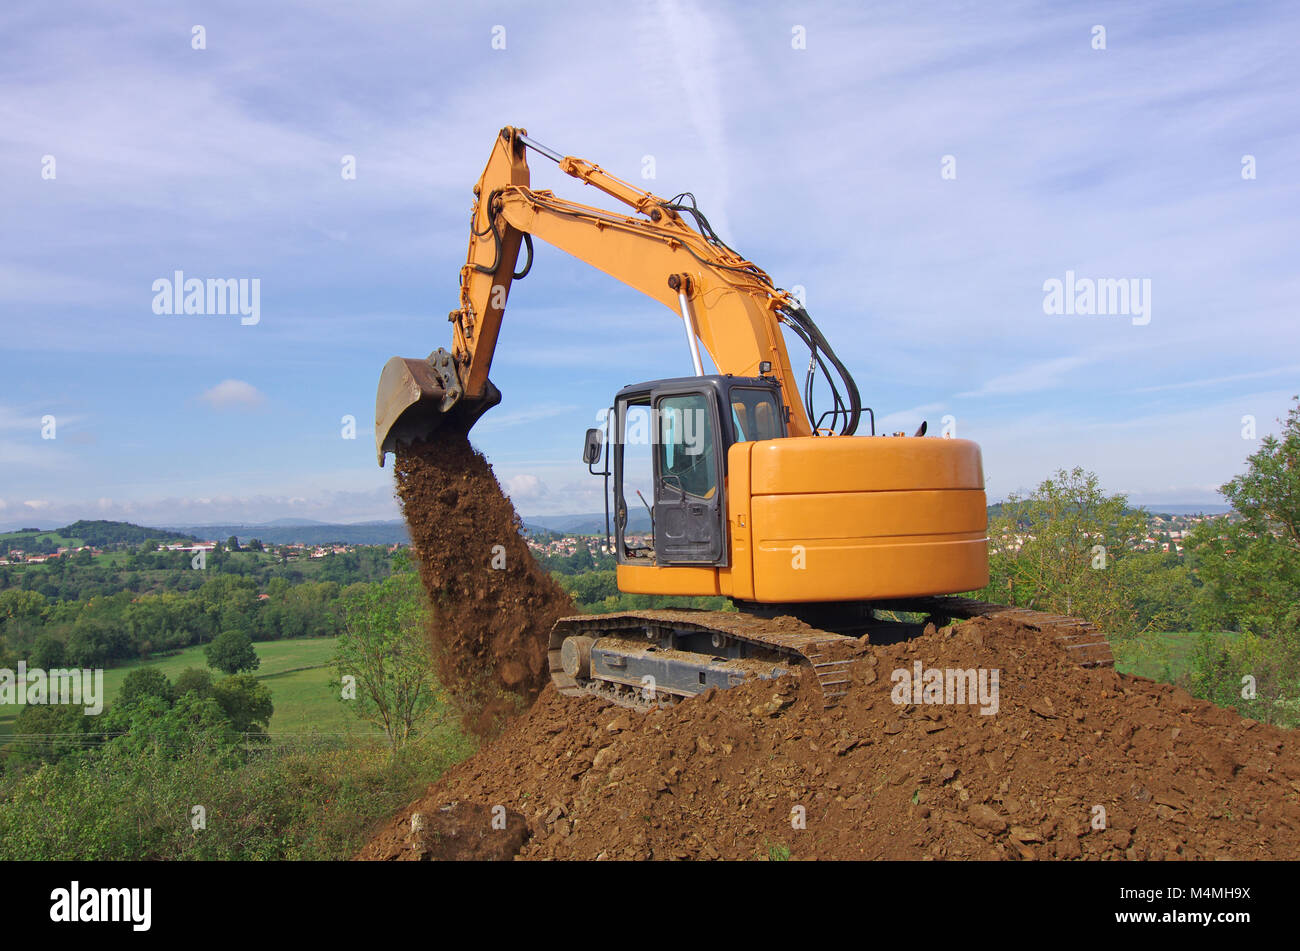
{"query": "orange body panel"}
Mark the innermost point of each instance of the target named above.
(843, 519)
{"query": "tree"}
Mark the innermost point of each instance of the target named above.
(246, 702)
(48, 653)
(46, 733)
(145, 682)
(590, 588)
(231, 652)
(581, 559)
(194, 680)
(95, 641)
(152, 725)
(1249, 565)
(22, 614)
(1063, 549)
(383, 647)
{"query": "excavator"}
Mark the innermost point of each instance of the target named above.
(821, 537)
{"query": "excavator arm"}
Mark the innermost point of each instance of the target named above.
(784, 525)
(725, 301)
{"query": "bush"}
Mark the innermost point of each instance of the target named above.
(46, 733)
(1256, 676)
(314, 802)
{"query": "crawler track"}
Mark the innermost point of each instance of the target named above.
(767, 642)
(1081, 639)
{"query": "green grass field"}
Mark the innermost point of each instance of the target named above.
(296, 671)
(1164, 657)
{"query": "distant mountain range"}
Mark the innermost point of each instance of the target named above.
(638, 521)
(305, 531)
(282, 531)
(278, 532)
(1158, 508)
(1204, 508)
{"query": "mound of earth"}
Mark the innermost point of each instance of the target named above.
(459, 832)
(492, 605)
(1074, 763)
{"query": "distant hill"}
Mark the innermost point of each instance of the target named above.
(98, 534)
(1204, 508)
(638, 521)
(1157, 508)
(288, 531)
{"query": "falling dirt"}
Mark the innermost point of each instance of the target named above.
(492, 605)
(1074, 764)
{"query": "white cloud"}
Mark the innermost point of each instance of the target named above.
(233, 394)
(525, 488)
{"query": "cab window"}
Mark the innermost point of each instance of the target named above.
(754, 414)
(686, 445)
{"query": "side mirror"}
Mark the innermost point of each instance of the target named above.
(591, 449)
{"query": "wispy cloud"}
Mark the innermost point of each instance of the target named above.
(1043, 375)
(495, 422)
(1219, 380)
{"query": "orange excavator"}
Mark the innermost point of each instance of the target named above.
(811, 530)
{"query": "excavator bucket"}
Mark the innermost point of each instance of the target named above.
(418, 397)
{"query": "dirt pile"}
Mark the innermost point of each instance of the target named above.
(492, 605)
(460, 832)
(1074, 763)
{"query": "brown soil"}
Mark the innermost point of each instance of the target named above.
(454, 833)
(720, 776)
(492, 608)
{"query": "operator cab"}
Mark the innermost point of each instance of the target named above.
(670, 440)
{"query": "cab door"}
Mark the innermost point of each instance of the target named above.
(690, 523)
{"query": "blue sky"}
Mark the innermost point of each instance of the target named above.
(821, 164)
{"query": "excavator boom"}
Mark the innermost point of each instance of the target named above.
(806, 536)
(725, 302)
